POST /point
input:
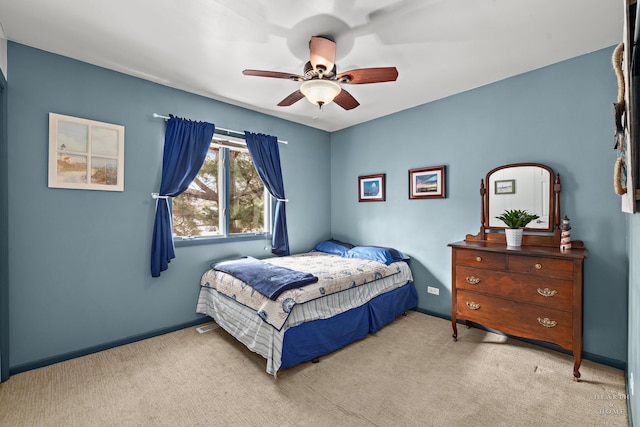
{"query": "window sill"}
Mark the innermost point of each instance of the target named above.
(212, 240)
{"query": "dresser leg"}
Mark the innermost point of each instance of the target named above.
(576, 369)
(455, 330)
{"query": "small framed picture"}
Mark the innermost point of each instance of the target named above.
(506, 186)
(427, 183)
(371, 188)
(85, 154)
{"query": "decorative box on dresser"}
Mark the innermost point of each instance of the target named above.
(532, 291)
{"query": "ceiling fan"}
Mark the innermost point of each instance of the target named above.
(321, 81)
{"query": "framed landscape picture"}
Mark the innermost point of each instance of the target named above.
(85, 154)
(371, 188)
(427, 183)
(506, 186)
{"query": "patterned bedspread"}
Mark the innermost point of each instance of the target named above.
(334, 274)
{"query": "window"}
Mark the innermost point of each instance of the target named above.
(226, 199)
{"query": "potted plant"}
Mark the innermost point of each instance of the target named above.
(515, 220)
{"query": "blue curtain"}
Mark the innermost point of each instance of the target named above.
(266, 157)
(185, 148)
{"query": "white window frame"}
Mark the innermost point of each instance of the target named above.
(92, 152)
(225, 144)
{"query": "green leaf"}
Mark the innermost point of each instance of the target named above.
(517, 218)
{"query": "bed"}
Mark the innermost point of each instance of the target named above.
(357, 291)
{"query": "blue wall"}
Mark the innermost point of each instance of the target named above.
(560, 115)
(79, 260)
(633, 367)
(4, 230)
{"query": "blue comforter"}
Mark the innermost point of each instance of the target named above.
(268, 279)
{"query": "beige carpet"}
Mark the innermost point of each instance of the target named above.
(410, 373)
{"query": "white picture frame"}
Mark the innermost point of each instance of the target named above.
(85, 154)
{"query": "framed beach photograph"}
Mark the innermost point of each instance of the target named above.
(371, 188)
(85, 154)
(506, 186)
(427, 183)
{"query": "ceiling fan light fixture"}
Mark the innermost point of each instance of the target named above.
(320, 92)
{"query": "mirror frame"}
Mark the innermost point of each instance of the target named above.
(532, 236)
(550, 202)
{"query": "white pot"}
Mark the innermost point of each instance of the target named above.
(514, 237)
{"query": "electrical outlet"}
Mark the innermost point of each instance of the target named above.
(432, 290)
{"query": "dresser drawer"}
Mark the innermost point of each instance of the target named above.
(481, 259)
(549, 267)
(514, 318)
(546, 291)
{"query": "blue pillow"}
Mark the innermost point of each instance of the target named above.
(376, 253)
(332, 246)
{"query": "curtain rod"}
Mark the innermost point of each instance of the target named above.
(158, 116)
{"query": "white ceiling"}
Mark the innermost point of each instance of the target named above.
(440, 47)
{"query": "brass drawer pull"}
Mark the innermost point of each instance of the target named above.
(538, 266)
(478, 258)
(547, 323)
(473, 305)
(473, 280)
(546, 292)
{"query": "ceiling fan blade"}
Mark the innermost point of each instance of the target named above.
(273, 74)
(291, 99)
(368, 75)
(346, 100)
(322, 52)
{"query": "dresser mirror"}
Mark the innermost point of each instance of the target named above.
(533, 187)
(526, 186)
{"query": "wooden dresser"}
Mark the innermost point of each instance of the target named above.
(531, 291)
